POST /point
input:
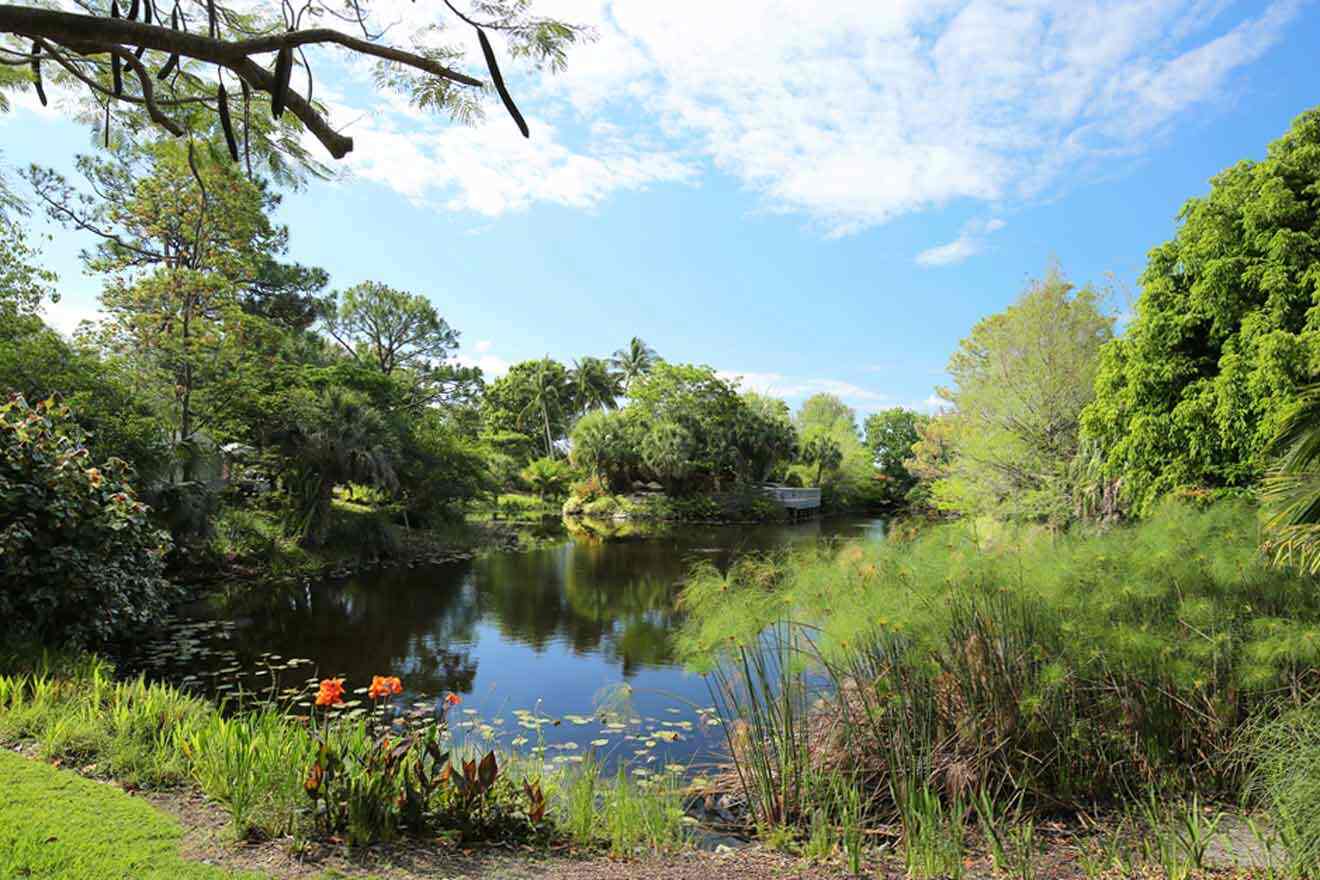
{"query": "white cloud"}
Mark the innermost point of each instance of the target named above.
(482, 346)
(970, 241)
(955, 251)
(849, 115)
(489, 169)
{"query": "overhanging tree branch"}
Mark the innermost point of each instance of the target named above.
(125, 40)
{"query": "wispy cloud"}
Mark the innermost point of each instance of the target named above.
(970, 241)
(848, 118)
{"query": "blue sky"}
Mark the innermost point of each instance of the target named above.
(813, 197)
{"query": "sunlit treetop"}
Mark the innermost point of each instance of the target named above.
(247, 71)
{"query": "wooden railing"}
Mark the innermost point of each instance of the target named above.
(794, 499)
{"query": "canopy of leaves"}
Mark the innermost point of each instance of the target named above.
(890, 436)
(1227, 328)
(832, 454)
(1022, 379)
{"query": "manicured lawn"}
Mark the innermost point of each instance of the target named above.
(56, 824)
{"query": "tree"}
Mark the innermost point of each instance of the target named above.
(595, 385)
(668, 450)
(80, 561)
(330, 438)
(850, 482)
(1291, 488)
(704, 405)
(1021, 380)
(402, 336)
(607, 445)
(765, 436)
(533, 399)
(1227, 329)
(24, 283)
(826, 412)
(822, 451)
(634, 362)
(179, 237)
(201, 67)
(548, 477)
(890, 436)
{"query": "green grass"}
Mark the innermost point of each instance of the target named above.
(57, 825)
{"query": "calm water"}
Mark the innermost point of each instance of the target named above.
(576, 633)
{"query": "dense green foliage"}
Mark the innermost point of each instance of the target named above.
(80, 560)
(1073, 668)
(1225, 331)
(687, 429)
(1021, 380)
(890, 435)
(833, 455)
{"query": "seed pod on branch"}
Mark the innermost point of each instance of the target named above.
(116, 71)
(499, 83)
(283, 70)
(173, 61)
(226, 124)
(36, 72)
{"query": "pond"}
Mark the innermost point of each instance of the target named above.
(567, 645)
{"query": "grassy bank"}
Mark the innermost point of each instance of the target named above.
(361, 779)
(990, 672)
(58, 825)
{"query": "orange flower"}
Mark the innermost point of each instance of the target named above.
(94, 477)
(331, 692)
(383, 686)
(453, 699)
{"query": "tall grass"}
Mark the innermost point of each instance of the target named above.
(253, 764)
(1073, 668)
(1283, 757)
(76, 710)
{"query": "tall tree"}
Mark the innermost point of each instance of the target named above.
(634, 362)
(402, 336)
(1227, 329)
(1021, 380)
(890, 435)
(530, 401)
(595, 385)
(179, 237)
(546, 404)
(201, 66)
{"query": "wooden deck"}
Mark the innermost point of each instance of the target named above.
(795, 499)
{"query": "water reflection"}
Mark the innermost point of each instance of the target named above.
(554, 625)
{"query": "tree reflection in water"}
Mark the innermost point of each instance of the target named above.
(607, 605)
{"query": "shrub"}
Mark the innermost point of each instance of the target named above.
(79, 558)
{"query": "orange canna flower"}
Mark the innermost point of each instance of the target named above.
(331, 692)
(453, 699)
(383, 686)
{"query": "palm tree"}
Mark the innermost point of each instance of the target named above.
(548, 397)
(823, 451)
(1291, 488)
(634, 361)
(595, 386)
(339, 438)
